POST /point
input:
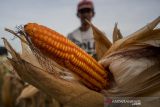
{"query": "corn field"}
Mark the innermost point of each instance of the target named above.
(51, 71)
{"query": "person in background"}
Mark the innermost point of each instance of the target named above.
(83, 36)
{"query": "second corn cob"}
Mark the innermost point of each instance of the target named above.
(68, 55)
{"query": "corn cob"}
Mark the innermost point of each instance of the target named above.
(68, 55)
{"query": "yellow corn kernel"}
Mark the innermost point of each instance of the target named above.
(56, 46)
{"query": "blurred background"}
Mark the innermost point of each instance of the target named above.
(61, 15)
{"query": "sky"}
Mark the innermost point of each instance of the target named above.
(60, 15)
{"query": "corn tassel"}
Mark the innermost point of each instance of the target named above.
(68, 55)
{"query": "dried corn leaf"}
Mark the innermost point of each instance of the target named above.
(6, 97)
(10, 49)
(102, 43)
(138, 36)
(116, 34)
(27, 92)
(27, 54)
(7, 64)
(120, 36)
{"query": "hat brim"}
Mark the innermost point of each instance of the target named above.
(85, 6)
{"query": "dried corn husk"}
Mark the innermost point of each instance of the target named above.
(102, 43)
(37, 98)
(116, 34)
(138, 36)
(27, 92)
(135, 63)
(11, 87)
(54, 86)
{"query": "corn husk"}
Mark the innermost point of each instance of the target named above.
(11, 87)
(27, 92)
(7, 99)
(53, 85)
(37, 98)
(134, 62)
(138, 36)
(116, 33)
(32, 97)
(102, 43)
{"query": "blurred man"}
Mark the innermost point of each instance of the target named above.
(83, 36)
